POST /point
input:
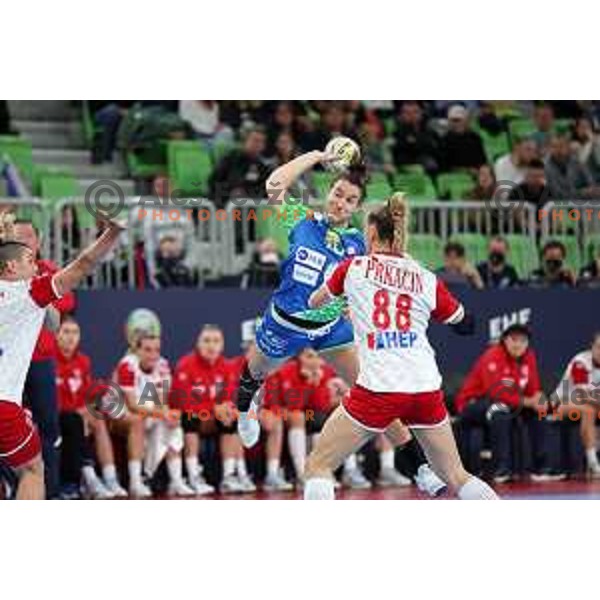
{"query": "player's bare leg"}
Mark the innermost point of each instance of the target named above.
(441, 451)
(272, 421)
(340, 437)
(587, 414)
(31, 480)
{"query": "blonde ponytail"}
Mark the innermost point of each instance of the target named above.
(7, 227)
(399, 209)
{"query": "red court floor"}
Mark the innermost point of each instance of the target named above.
(563, 490)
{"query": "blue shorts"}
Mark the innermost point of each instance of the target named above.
(279, 340)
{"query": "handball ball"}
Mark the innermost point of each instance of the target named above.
(347, 151)
(141, 320)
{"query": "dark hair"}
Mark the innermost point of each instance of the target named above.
(10, 251)
(536, 163)
(454, 248)
(554, 245)
(516, 329)
(356, 175)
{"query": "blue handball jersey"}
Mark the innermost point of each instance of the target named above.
(315, 249)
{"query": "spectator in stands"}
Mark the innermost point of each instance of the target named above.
(503, 383)
(263, 271)
(489, 120)
(589, 276)
(241, 173)
(108, 115)
(283, 121)
(533, 189)
(543, 117)
(586, 147)
(171, 271)
(285, 150)
(74, 380)
(461, 148)
(485, 187)
(333, 123)
(553, 272)
(513, 167)
(414, 143)
(567, 178)
(495, 272)
(204, 119)
(457, 270)
(376, 152)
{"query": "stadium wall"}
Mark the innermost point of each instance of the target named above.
(562, 322)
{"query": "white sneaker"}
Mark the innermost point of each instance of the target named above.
(355, 480)
(593, 470)
(140, 491)
(199, 486)
(247, 484)
(392, 478)
(96, 490)
(114, 487)
(249, 427)
(180, 488)
(277, 483)
(427, 481)
(231, 485)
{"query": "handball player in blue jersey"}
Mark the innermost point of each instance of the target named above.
(318, 242)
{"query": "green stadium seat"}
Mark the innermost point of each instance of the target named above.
(562, 126)
(18, 150)
(139, 167)
(221, 149)
(495, 145)
(190, 166)
(427, 249)
(412, 169)
(523, 254)
(475, 246)
(322, 181)
(591, 247)
(455, 185)
(418, 186)
(378, 191)
(574, 259)
(54, 186)
(389, 126)
(520, 128)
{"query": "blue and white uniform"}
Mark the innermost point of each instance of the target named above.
(289, 325)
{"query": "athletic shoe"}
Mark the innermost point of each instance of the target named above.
(593, 470)
(140, 491)
(355, 480)
(427, 481)
(231, 485)
(277, 483)
(392, 478)
(180, 488)
(502, 476)
(199, 486)
(547, 476)
(248, 486)
(248, 426)
(114, 488)
(96, 490)
(70, 491)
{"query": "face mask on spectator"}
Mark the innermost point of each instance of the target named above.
(496, 258)
(553, 265)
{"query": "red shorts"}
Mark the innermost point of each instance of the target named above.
(19, 440)
(376, 410)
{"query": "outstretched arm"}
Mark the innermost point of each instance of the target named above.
(71, 276)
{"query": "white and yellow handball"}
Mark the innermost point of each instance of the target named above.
(347, 152)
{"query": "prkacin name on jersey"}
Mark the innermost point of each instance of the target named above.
(391, 339)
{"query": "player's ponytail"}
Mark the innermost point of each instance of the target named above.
(399, 211)
(7, 227)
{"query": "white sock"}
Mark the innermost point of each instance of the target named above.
(89, 475)
(386, 459)
(591, 457)
(475, 489)
(228, 467)
(350, 463)
(109, 473)
(174, 467)
(319, 488)
(297, 444)
(192, 467)
(135, 472)
(240, 465)
(273, 467)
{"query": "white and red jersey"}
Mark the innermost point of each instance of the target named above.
(132, 378)
(391, 300)
(22, 311)
(581, 373)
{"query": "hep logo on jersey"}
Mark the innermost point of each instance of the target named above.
(392, 339)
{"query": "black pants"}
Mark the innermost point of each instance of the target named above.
(40, 394)
(72, 448)
(538, 440)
